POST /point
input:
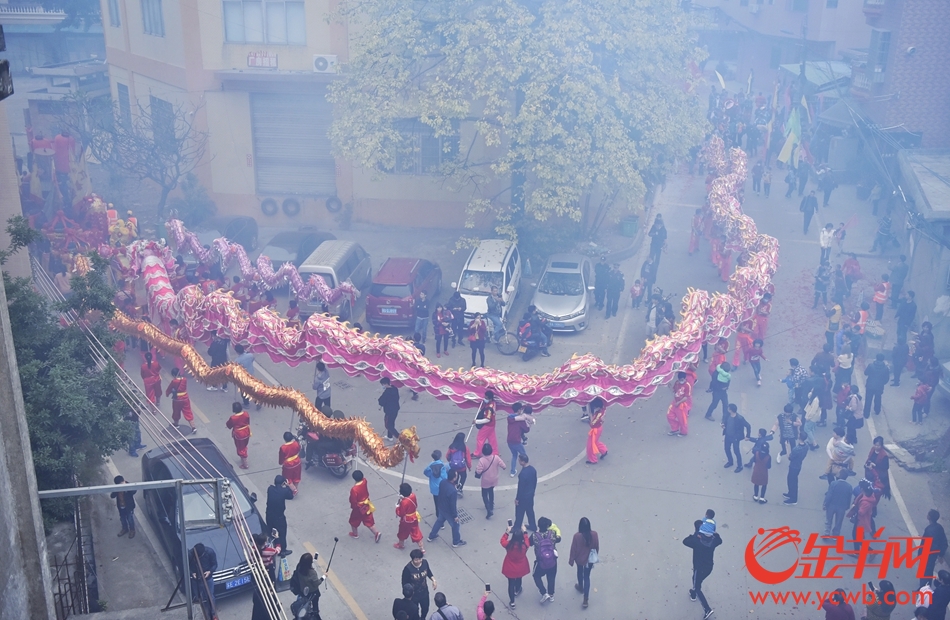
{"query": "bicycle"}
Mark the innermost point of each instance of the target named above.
(507, 343)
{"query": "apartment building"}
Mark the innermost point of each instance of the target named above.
(761, 35)
(256, 74)
(901, 77)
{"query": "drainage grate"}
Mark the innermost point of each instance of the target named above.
(343, 385)
(464, 517)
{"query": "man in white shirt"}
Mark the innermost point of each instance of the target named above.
(825, 238)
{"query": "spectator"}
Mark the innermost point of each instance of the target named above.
(444, 611)
(545, 541)
(516, 565)
(585, 549)
(125, 503)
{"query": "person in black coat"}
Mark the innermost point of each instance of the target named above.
(877, 375)
(941, 597)
(601, 275)
(703, 542)
(735, 428)
(524, 497)
(277, 496)
(938, 544)
(657, 238)
(389, 401)
(808, 207)
(202, 563)
(615, 286)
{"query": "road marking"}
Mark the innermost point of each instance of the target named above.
(507, 487)
(201, 414)
(901, 506)
(623, 332)
(267, 375)
(340, 588)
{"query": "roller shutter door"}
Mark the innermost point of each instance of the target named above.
(292, 144)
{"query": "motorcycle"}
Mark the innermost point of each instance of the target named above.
(336, 455)
(529, 342)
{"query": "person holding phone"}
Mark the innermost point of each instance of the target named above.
(516, 564)
(485, 607)
(885, 600)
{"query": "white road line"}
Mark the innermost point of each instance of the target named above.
(507, 487)
(624, 327)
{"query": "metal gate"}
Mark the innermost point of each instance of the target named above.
(292, 144)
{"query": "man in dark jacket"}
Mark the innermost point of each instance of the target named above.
(877, 374)
(836, 503)
(218, 350)
(898, 275)
(906, 313)
(447, 500)
(202, 563)
(703, 542)
(125, 502)
(421, 311)
(601, 275)
(941, 597)
(734, 429)
(389, 401)
(524, 498)
(808, 207)
(457, 306)
(615, 286)
(938, 544)
(657, 238)
(648, 277)
(795, 458)
(277, 496)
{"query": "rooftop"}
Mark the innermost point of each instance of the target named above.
(927, 177)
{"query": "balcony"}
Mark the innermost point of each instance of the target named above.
(873, 9)
(29, 14)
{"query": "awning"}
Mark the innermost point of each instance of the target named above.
(842, 114)
(822, 75)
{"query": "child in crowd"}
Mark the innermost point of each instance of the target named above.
(636, 294)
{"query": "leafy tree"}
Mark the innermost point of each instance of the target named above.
(567, 108)
(195, 205)
(159, 143)
(79, 13)
(21, 235)
(74, 411)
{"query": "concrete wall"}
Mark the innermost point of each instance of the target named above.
(25, 581)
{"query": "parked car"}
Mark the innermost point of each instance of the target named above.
(395, 287)
(337, 261)
(563, 292)
(493, 262)
(192, 460)
(294, 246)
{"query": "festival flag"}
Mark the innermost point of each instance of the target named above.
(79, 181)
(722, 82)
(793, 126)
(749, 83)
(807, 111)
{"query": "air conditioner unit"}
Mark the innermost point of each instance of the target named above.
(754, 9)
(324, 63)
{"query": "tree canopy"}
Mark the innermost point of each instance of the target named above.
(74, 412)
(541, 108)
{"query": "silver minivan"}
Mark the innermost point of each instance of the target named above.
(337, 261)
(493, 262)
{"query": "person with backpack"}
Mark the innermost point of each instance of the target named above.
(389, 401)
(487, 470)
(516, 565)
(703, 542)
(544, 542)
(436, 472)
(306, 579)
(460, 460)
(585, 550)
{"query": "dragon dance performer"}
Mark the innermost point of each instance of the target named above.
(762, 313)
(361, 509)
(682, 403)
(181, 402)
(407, 509)
(240, 425)
(152, 378)
(289, 459)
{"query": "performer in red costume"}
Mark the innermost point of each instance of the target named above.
(289, 459)
(240, 425)
(407, 509)
(152, 378)
(682, 403)
(361, 509)
(181, 402)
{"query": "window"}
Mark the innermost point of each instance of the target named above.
(800, 6)
(268, 21)
(163, 122)
(421, 151)
(152, 20)
(114, 14)
(878, 50)
(125, 104)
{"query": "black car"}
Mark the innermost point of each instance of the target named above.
(192, 460)
(294, 246)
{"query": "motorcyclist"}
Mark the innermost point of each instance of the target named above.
(538, 330)
(321, 446)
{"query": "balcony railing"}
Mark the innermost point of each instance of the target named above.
(29, 14)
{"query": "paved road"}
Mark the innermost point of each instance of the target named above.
(642, 499)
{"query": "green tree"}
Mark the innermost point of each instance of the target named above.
(74, 411)
(540, 108)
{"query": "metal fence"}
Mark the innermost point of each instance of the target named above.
(75, 583)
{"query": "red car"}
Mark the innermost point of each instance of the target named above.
(394, 290)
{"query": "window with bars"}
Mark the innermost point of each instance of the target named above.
(114, 14)
(269, 21)
(163, 122)
(153, 22)
(125, 104)
(878, 50)
(421, 151)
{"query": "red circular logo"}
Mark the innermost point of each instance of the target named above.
(764, 543)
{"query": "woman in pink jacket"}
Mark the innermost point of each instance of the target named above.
(487, 471)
